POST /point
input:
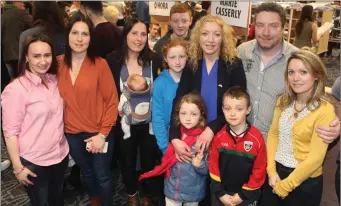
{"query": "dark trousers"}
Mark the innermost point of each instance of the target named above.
(149, 157)
(95, 168)
(337, 182)
(47, 188)
(309, 193)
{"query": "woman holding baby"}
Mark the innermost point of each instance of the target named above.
(132, 70)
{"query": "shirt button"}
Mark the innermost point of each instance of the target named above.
(258, 87)
(256, 102)
(254, 116)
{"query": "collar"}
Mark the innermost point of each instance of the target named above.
(228, 130)
(35, 79)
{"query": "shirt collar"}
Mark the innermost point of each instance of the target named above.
(36, 79)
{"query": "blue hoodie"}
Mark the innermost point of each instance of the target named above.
(164, 91)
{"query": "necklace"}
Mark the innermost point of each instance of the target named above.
(297, 112)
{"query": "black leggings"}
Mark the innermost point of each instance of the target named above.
(149, 155)
(309, 193)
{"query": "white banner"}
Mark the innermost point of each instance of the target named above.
(234, 13)
(160, 8)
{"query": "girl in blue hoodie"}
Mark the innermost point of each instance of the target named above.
(164, 89)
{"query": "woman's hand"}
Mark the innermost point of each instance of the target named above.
(204, 139)
(96, 145)
(182, 150)
(23, 176)
(273, 180)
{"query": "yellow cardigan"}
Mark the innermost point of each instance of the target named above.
(309, 149)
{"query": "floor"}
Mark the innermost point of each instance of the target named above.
(13, 194)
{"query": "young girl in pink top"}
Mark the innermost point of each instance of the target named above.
(32, 112)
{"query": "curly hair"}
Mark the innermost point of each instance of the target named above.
(228, 50)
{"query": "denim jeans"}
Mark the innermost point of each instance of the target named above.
(47, 188)
(309, 193)
(95, 168)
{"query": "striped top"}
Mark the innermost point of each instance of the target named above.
(265, 86)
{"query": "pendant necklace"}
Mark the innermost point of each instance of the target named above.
(297, 112)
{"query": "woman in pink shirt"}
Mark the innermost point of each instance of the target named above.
(32, 110)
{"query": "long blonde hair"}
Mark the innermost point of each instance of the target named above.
(316, 68)
(228, 50)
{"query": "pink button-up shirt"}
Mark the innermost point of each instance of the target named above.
(34, 114)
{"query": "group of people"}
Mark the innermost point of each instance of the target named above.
(219, 125)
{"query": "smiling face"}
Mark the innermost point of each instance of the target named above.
(189, 115)
(137, 37)
(180, 23)
(211, 38)
(39, 57)
(79, 37)
(268, 30)
(176, 58)
(235, 110)
(299, 78)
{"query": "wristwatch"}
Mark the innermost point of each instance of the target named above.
(102, 136)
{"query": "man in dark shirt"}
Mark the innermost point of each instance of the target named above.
(107, 36)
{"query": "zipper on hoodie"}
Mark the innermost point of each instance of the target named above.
(176, 196)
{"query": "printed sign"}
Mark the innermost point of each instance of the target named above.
(160, 8)
(234, 13)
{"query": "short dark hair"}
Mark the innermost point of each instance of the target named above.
(91, 51)
(94, 6)
(63, 4)
(272, 7)
(237, 92)
(39, 37)
(48, 15)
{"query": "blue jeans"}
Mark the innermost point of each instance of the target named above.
(95, 168)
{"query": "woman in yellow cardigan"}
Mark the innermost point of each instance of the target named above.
(295, 153)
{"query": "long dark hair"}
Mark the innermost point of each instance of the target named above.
(91, 52)
(144, 54)
(306, 14)
(40, 37)
(48, 15)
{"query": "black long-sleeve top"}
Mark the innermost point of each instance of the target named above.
(229, 74)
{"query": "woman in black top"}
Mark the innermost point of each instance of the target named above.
(213, 68)
(133, 58)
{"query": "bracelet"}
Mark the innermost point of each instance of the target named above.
(22, 169)
(102, 136)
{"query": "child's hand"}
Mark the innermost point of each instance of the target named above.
(198, 158)
(236, 199)
(227, 200)
(273, 180)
